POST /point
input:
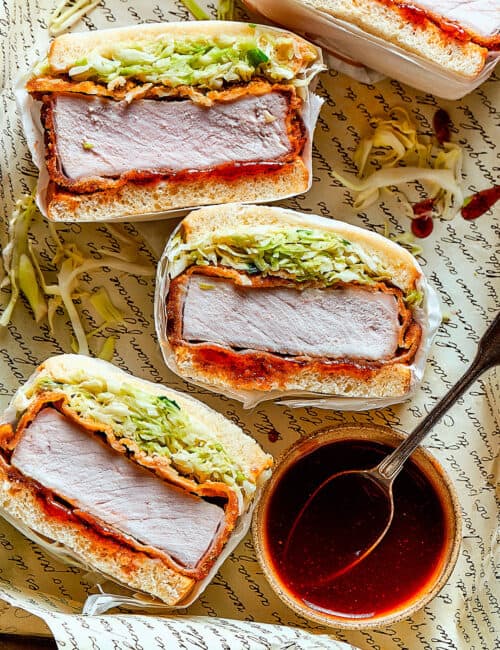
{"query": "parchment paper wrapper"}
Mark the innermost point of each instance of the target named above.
(428, 315)
(238, 609)
(29, 110)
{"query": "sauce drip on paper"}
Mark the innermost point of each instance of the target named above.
(422, 225)
(398, 569)
(441, 123)
(479, 203)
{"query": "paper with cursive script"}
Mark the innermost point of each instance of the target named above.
(460, 258)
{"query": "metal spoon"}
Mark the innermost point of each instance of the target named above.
(358, 494)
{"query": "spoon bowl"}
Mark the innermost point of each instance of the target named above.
(346, 494)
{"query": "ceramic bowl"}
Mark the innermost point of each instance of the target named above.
(422, 462)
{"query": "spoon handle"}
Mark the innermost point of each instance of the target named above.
(487, 356)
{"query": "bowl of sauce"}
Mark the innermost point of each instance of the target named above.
(402, 574)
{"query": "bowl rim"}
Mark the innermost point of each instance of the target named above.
(430, 467)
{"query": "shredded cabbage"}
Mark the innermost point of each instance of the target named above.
(195, 9)
(67, 14)
(225, 10)
(394, 155)
(24, 275)
(155, 423)
(414, 298)
(304, 253)
(108, 349)
(208, 62)
(16, 261)
(103, 304)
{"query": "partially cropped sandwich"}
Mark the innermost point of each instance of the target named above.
(157, 117)
(139, 482)
(267, 300)
(457, 36)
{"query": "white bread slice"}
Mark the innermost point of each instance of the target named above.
(132, 199)
(426, 40)
(399, 262)
(388, 381)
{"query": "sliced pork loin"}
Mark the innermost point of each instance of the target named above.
(92, 477)
(96, 137)
(350, 322)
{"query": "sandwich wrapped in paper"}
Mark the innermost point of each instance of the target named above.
(263, 303)
(142, 484)
(443, 47)
(132, 122)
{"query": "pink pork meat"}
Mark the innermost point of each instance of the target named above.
(352, 323)
(79, 468)
(98, 137)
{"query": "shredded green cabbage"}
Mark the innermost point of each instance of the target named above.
(208, 62)
(155, 423)
(414, 298)
(195, 9)
(304, 253)
(108, 349)
(405, 239)
(225, 10)
(68, 14)
(395, 155)
(24, 275)
(16, 258)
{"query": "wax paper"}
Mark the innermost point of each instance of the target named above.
(460, 259)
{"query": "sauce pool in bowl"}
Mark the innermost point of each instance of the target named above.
(402, 571)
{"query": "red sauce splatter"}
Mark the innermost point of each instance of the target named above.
(402, 566)
(423, 207)
(273, 435)
(441, 123)
(422, 226)
(481, 202)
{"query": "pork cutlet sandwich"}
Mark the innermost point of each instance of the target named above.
(260, 302)
(456, 36)
(453, 38)
(137, 481)
(156, 117)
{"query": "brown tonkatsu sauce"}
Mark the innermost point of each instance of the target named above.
(397, 570)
